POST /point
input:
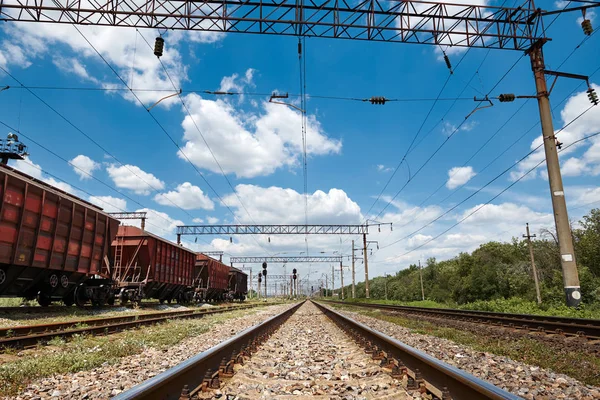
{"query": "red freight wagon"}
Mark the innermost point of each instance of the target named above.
(148, 266)
(50, 241)
(212, 278)
(238, 284)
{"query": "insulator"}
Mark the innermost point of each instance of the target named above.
(299, 47)
(506, 98)
(378, 100)
(447, 60)
(379, 228)
(159, 46)
(230, 239)
(592, 96)
(196, 240)
(586, 25)
(269, 238)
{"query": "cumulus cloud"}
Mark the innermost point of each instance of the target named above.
(159, 223)
(109, 203)
(586, 163)
(279, 205)
(382, 168)
(84, 166)
(34, 170)
(249, 145)
(24, 43)
(186, 196)
(133, 178)
(458, 176)
(212, 220)
(198, 220)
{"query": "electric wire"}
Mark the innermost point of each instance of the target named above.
(97, 144)
(31, 140)
(204, 140)
(160, 125)
(492, 199)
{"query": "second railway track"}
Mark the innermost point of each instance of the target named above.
(31, 335)
(585, 328)
(303, 352)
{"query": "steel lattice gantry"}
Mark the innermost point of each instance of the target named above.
(294, 259)
(271, 230)
(404, 21)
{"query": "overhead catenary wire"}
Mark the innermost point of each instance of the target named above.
(96, 143)
(207, 146)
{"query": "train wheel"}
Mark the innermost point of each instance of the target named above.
(80, 297)
(2, 276)
(43, 299)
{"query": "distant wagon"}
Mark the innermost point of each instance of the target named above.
(238, 284)
(212, 278)
(51, 242)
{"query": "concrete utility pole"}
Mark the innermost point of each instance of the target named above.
(366, 266)
(421, 276)
(535, 276)
(353, 281)
(385, 282)
(332, 281)
(561, 218)
(342, 279)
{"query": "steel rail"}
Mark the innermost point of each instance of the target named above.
(204, 369)
(61, 308)
(589, 328)
(429, 373)
(19, 337)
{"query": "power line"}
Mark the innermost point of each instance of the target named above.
(91, 139)
(493, 180)
(239, 93)
(159, 124)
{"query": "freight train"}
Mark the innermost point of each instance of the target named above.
(57, 247)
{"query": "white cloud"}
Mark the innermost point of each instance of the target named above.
(109, 203)
(198, 220)
(186, 196)
(495, 214)
(250, 145)
(458, 176)
(34, 170)
(234, 83)
(71, 65)
(588, 123)
(157, 222)
(84, 166)
(133, 178)
(382, 168)
(279, 205)
(26, 42)
(580, 196)
(212, 220)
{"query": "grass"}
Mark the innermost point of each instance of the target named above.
(512, 306)
(88, 352)
(580, 365)
(16, 302)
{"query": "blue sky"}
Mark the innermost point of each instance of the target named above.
(353, 147)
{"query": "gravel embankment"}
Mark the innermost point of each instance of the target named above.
(527, 381)
(110, 380)
(310, 357)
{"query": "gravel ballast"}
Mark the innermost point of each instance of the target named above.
(527, 381)
(310, 357)
(110, 380)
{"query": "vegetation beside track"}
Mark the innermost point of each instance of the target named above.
(17, 369)
(581, 365)
(497, 276)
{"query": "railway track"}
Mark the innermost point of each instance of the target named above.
(63, 309)
(372, 364)
(32, 335)
(586, 328)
